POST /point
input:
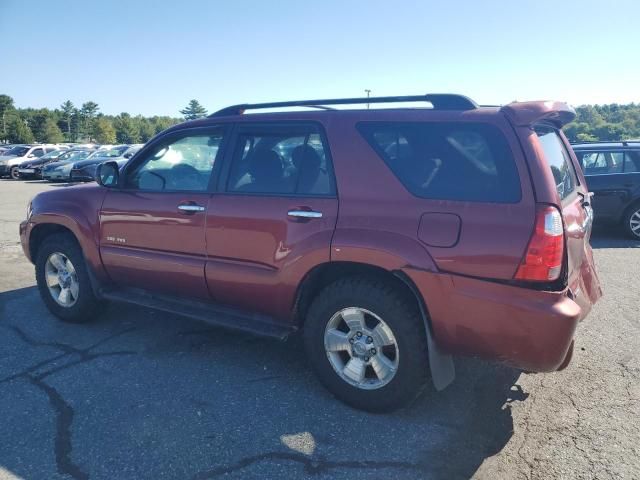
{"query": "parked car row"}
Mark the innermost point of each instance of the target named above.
(61, 162)
(612, 170)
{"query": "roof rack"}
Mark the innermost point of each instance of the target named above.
(625, 143)
(440, 101)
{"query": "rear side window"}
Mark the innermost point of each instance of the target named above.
(601, 163)
(280, 160)
(632, 162)
(558, 160)
(448, 161)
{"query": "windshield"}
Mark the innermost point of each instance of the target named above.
(79, 155)
(18, 151)
(111, 153)
(54, 154)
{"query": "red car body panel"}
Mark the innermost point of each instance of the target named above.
(245, 251)
(258, 256)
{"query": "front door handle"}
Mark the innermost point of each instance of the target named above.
(190, 208)
(304, 214)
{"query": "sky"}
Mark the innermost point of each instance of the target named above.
(152, 57)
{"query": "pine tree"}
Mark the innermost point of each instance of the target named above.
(194, 110)
(126, 129)
(68, 110)
(18, 131)
(103, 131)
(88, 112)
(52, 133)
(6, 106)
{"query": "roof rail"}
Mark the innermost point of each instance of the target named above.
(625, 143)
(440, 101)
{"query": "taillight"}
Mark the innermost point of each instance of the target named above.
(542, 261)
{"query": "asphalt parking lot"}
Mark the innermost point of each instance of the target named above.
(147, 395)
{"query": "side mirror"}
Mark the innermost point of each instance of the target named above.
(108, 175)
(128, 155)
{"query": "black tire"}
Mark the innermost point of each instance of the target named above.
(632, 212)
(87, 306)
(399, 311)
(13, 173)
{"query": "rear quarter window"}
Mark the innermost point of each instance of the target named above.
(447, 161)
(558, 160)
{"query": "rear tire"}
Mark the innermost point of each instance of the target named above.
(60, 265)
(632, 221)
(377, 307)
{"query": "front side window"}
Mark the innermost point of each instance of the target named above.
(558, 160)
(38, 152)
(281, 160)
(180, 164)
(448, 161)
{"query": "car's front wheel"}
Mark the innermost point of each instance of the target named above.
(13, 173)
(367, 344)
(63, 280)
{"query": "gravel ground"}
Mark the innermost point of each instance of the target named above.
(142, 394)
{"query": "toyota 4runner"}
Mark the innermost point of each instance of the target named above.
(393, 238)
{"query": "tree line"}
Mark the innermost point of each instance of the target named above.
(84, 123)
(69, 123)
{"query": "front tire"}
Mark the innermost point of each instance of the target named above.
(63, 280)
(13, 173)
(366, 342)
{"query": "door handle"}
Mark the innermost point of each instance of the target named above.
(190, 208)
(304, 214)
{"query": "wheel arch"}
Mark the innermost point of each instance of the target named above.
(440, 364)
(43, 230)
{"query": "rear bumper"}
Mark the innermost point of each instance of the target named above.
(529, 329)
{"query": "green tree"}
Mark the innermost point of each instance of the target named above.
(126, 129)
(18, 131)
(162, 123)
(145, 128)
(194, 110)
(103, 131)
(6, 107)
(52, 133)
(68, 109)
(88, 112)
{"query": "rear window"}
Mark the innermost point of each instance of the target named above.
(448, 161)
(558, 159)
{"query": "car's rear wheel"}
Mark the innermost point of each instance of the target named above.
(367, 344)
(632, 221)
(13, 173)
(63, 280)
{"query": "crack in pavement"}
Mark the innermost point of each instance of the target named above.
(62, 443)
(63, 411)
(312, 466)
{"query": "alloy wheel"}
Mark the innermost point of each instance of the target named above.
(62, 280)
(361, 348)
(634, 223)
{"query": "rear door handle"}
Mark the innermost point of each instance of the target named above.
(190, 208)
(304, 214)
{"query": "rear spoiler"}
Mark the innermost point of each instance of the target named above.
(523, 114)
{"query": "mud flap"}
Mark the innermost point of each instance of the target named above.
(443, 371)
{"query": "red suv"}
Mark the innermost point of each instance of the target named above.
(393, 238)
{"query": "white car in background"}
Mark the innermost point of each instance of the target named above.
(11, 159)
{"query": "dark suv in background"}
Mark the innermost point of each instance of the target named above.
(393, 238)
(612, 170)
